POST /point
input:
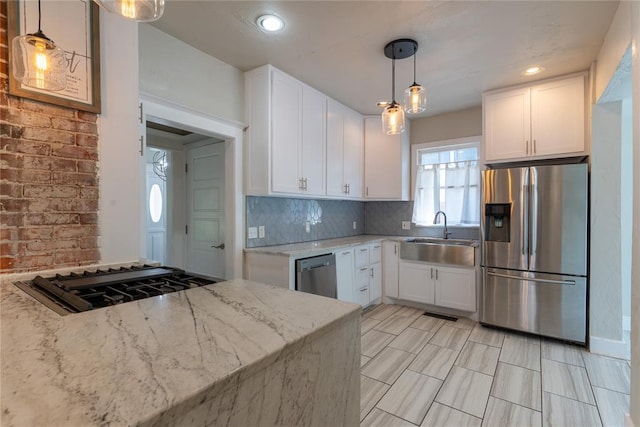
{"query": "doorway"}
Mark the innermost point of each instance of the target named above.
(202, 195)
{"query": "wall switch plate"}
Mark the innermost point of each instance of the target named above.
(406, 225)
(253, 232)
(261, 232)
(307, 227)
(355, 225)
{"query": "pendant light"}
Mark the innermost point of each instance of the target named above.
(37, 61)
(393, 114)
(415, 97)
(136, 10)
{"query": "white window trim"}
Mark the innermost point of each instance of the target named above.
(472, 141)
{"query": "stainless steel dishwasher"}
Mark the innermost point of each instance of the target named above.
(317, 275)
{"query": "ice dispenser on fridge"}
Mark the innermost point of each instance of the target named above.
(497, 218)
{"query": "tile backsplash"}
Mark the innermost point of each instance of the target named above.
(285, 219)
(385, 218)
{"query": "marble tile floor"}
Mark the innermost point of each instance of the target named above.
(419, 370)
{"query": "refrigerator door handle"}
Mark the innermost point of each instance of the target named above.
(533, 217)
(524, 196)
(529, 279)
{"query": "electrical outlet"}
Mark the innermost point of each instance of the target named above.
(261, 232)
(406, 225)
(355, 225)
(253, 232)
(307, 227)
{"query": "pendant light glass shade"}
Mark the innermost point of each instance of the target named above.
(136, 10)
(415, 99)
(393, 119)
(38, 62)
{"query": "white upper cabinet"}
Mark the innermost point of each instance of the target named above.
(386, 162)
(286, 134)
(345, 144)
(545, 120)
(286, 152)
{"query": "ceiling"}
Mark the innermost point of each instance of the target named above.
(465, 47)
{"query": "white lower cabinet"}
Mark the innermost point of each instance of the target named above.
(435, 284)
(417, 282)
(456, 288)
(359, 274)
(345, 275)
(390, 259)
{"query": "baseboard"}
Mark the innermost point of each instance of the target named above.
(628, 422)
(626, 323)
(606, 347)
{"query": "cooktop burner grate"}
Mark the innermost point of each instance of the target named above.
(78, 292)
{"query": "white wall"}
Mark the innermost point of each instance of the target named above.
(635, 272)
(458, 124)
(175, 71)
(613, 48)
(605, 275)
(118, 140)
(626, 204)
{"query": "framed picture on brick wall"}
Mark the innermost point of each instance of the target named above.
(75, 27)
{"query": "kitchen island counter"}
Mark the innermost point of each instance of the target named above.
(232, 353)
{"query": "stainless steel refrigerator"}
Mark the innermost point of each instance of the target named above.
(534, 238)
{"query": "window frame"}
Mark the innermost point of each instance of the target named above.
(451, 144)
(472, 141)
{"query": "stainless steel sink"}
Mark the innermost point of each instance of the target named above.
(439, 241)
(439, 251)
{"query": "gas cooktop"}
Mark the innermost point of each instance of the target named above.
(78, 292)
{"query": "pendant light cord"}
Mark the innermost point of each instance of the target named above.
(39, 15)
(414, 65)
(393, 80)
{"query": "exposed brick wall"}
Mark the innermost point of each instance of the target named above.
(48, 180)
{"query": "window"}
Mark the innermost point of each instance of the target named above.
(448, 180)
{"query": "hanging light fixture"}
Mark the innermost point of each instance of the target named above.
(393, 114)
(37, 61)
(136, 10)
(415, 97)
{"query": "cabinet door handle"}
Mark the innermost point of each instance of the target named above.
(527, 146)
(366, 191)
(364, 268)
(345, 253)
(371, 272)
(299, 183)
(534, 146)
(348, 188)
(436, 274)
(305, 184)
(363, 289)
(432, 273)
(395, 249)
(363, 250)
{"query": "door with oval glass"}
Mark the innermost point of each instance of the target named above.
(156, 214)
(206, 203)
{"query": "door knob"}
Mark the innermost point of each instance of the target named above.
(220, 246)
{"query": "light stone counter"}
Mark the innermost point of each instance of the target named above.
(319, 247)
(236, 353)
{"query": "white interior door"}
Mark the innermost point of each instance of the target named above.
(156, 202)
(206, 210)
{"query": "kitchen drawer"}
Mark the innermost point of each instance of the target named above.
(362, 256)
(362, 295)
(362, 276)
(375, 253)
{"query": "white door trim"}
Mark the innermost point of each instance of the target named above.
(232, 133)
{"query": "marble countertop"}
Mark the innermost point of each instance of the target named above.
(146, 361)
(318, 247)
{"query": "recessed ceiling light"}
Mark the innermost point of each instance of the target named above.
(532, 70)
(270, 23)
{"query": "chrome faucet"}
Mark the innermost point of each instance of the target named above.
(445, 232)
